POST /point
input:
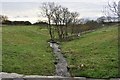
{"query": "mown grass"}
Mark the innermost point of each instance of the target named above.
(25, 50)
(95, 54)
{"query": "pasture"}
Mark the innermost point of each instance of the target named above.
(25, 51)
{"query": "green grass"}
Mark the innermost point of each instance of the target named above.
(25, 50)
(97, 51)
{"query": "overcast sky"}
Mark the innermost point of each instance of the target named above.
(28, 10)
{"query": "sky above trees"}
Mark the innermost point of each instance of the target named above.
(29, 10)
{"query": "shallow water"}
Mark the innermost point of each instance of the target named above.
(61, 66)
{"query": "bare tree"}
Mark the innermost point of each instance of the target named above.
(57, 19)
(119, 10)
(66, 19)
(3, 18)
(74, 17)
(48, 10)
(115, 8)
(59, 16)
(62, 17)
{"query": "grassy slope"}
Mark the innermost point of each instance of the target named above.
(25, 50)
(97, 51)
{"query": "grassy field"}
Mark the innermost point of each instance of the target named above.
(94, 55)
(25, 50)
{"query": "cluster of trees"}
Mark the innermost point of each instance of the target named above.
(67, 23)
(106, 19)
(4, 20)
(7, 22)
(41, 23)
(61, 17)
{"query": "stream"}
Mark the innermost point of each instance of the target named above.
(61, 65)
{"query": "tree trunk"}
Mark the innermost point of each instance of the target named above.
(58, 31)
(61, 31)
(72, 29)
(66, 31)
(50, 30)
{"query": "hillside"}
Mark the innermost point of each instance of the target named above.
(25, 50)
(95, 54)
